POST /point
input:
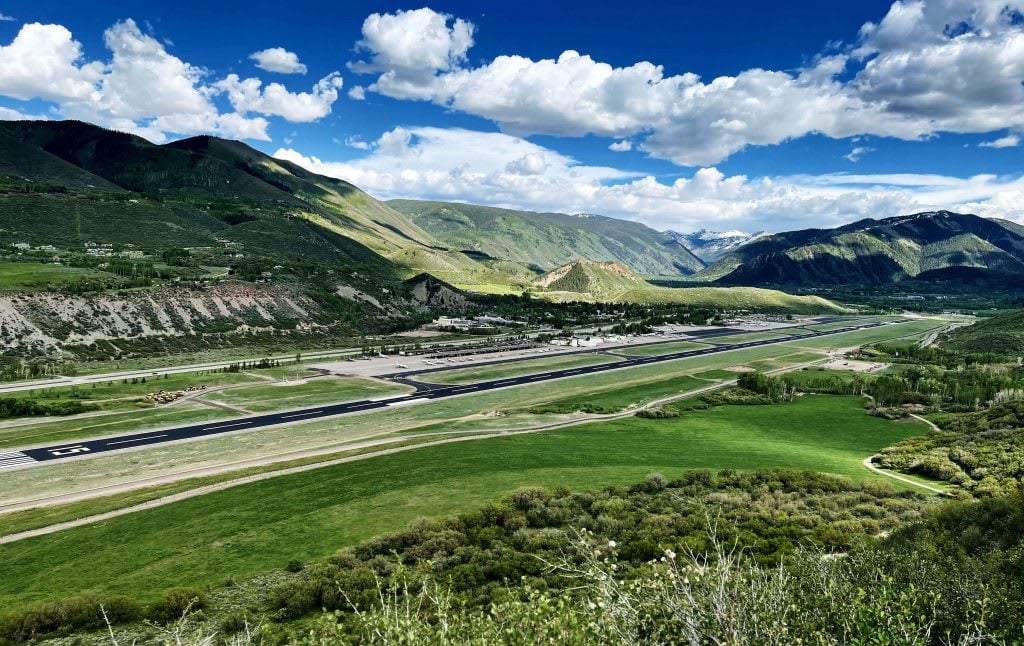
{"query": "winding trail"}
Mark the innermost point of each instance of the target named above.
(888, 474)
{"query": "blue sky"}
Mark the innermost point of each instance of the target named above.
(682, 115)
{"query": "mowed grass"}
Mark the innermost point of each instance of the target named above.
(22, 275)
(118, 389)
(616, 399)
(261, 526)
(514, 369)
(297, 394)
(750, 336)
(659, 348)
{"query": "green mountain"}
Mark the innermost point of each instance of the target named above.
(120, 189)
(613, 282)
(924, 246)
(547, 240)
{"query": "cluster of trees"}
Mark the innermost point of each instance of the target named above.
(24, 407)
(907, 352)
(176, 256)
(776, 390)
(964, 389)
(239, 366)
(131, 269)
(17, 368)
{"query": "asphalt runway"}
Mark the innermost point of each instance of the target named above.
(11, 459)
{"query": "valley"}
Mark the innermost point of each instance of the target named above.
(286, 393)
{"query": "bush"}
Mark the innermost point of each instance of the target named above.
(66, 616)
(234, 622)
(177, 603)
(657, 413)
(294, 565)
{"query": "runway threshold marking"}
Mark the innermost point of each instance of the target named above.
(10, 459)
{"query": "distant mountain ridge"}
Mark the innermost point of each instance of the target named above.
(710, 245)
(547, 240)
(613, 282)
(919, 246)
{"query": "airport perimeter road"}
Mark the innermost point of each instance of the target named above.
(12, 459)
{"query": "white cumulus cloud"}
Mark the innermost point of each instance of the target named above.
(278, 59)
(922, 69)
(502, 170)
(146, 90)
(45, 61)
(248, 95)
(409, 47)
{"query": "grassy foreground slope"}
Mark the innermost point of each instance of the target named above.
(259, 527)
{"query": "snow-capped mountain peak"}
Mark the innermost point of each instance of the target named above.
(708, 245)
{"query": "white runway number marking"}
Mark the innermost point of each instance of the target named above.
(69, 450)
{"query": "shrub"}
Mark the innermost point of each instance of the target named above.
(177, 603)
(67, 615)
(234, 622)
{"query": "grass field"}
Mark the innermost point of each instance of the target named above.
(33, 275)
(660, 348)
(491, 288)
(297, 394)
(515, 369)
(849, 322)
(616, 399)
(467, 413)
(116, 389)
(258, 527)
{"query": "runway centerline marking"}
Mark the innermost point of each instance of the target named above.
(214, 428)
(302, 414)
(138, 439)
